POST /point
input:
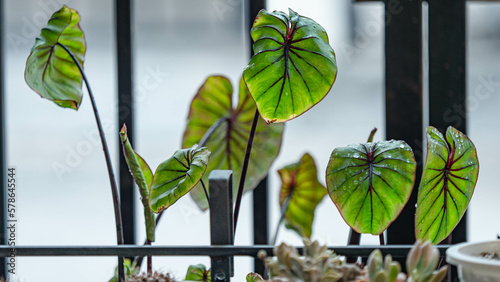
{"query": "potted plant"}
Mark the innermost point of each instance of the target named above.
(479, 261)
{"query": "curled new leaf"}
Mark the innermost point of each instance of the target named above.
(50, 70)
(198, 272)
(448, 180)
(303, 192)
(212, 108)
(177, 176)
(371, 183)
(143, 177)
(293, 67)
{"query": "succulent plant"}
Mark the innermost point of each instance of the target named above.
(379, 269)
(421, 263)
(318, 264)
(151, 277)
(130, 269)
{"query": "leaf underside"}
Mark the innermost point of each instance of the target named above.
(293, 67)
(213, 103)
(300, 182)
(370, 183)
(50, 71)
(448, 180)
(176, 176)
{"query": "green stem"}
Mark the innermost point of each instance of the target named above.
(372, 133)
(282, 217)
(211, 130)
(150, 259)
(245, 168)
(206, 192)
(202, 143)
(138, 259)
(114, 189)
(370, 139)
(355, 237)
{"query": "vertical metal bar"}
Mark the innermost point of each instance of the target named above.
(260, 221)
(253, 8)
(403, 49)
(221, 221)
(125, 112)
(3, 136)
(260, 198)
(447, 76)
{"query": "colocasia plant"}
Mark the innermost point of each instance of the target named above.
(293, 69)
(300, 194)
(371, 183)
(54, 70)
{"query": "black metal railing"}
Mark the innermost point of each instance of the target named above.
(399, 251)
(221, 250)
(404, 120)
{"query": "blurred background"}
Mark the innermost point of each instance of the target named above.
(63, 189)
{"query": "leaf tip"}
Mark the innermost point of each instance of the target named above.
(292, 13)
(269, 121)
(124, 129)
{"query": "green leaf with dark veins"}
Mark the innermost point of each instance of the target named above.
(198, 272)
(213, 104)
(300, 186)
(448, 180)
(50, 71)
(370, 183)
(143, 177)
(177, 176)
(293, 68)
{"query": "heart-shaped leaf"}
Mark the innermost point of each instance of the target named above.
(301, 190)
(293, 67)
(198, 272)
(143, 177)
(50, 70)
(213, 104)
(371, 183)
(177, 176)
(448, 181)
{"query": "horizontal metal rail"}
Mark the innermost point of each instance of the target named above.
(396, 251)
(427, 0)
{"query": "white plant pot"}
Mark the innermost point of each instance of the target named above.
(471, 267)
